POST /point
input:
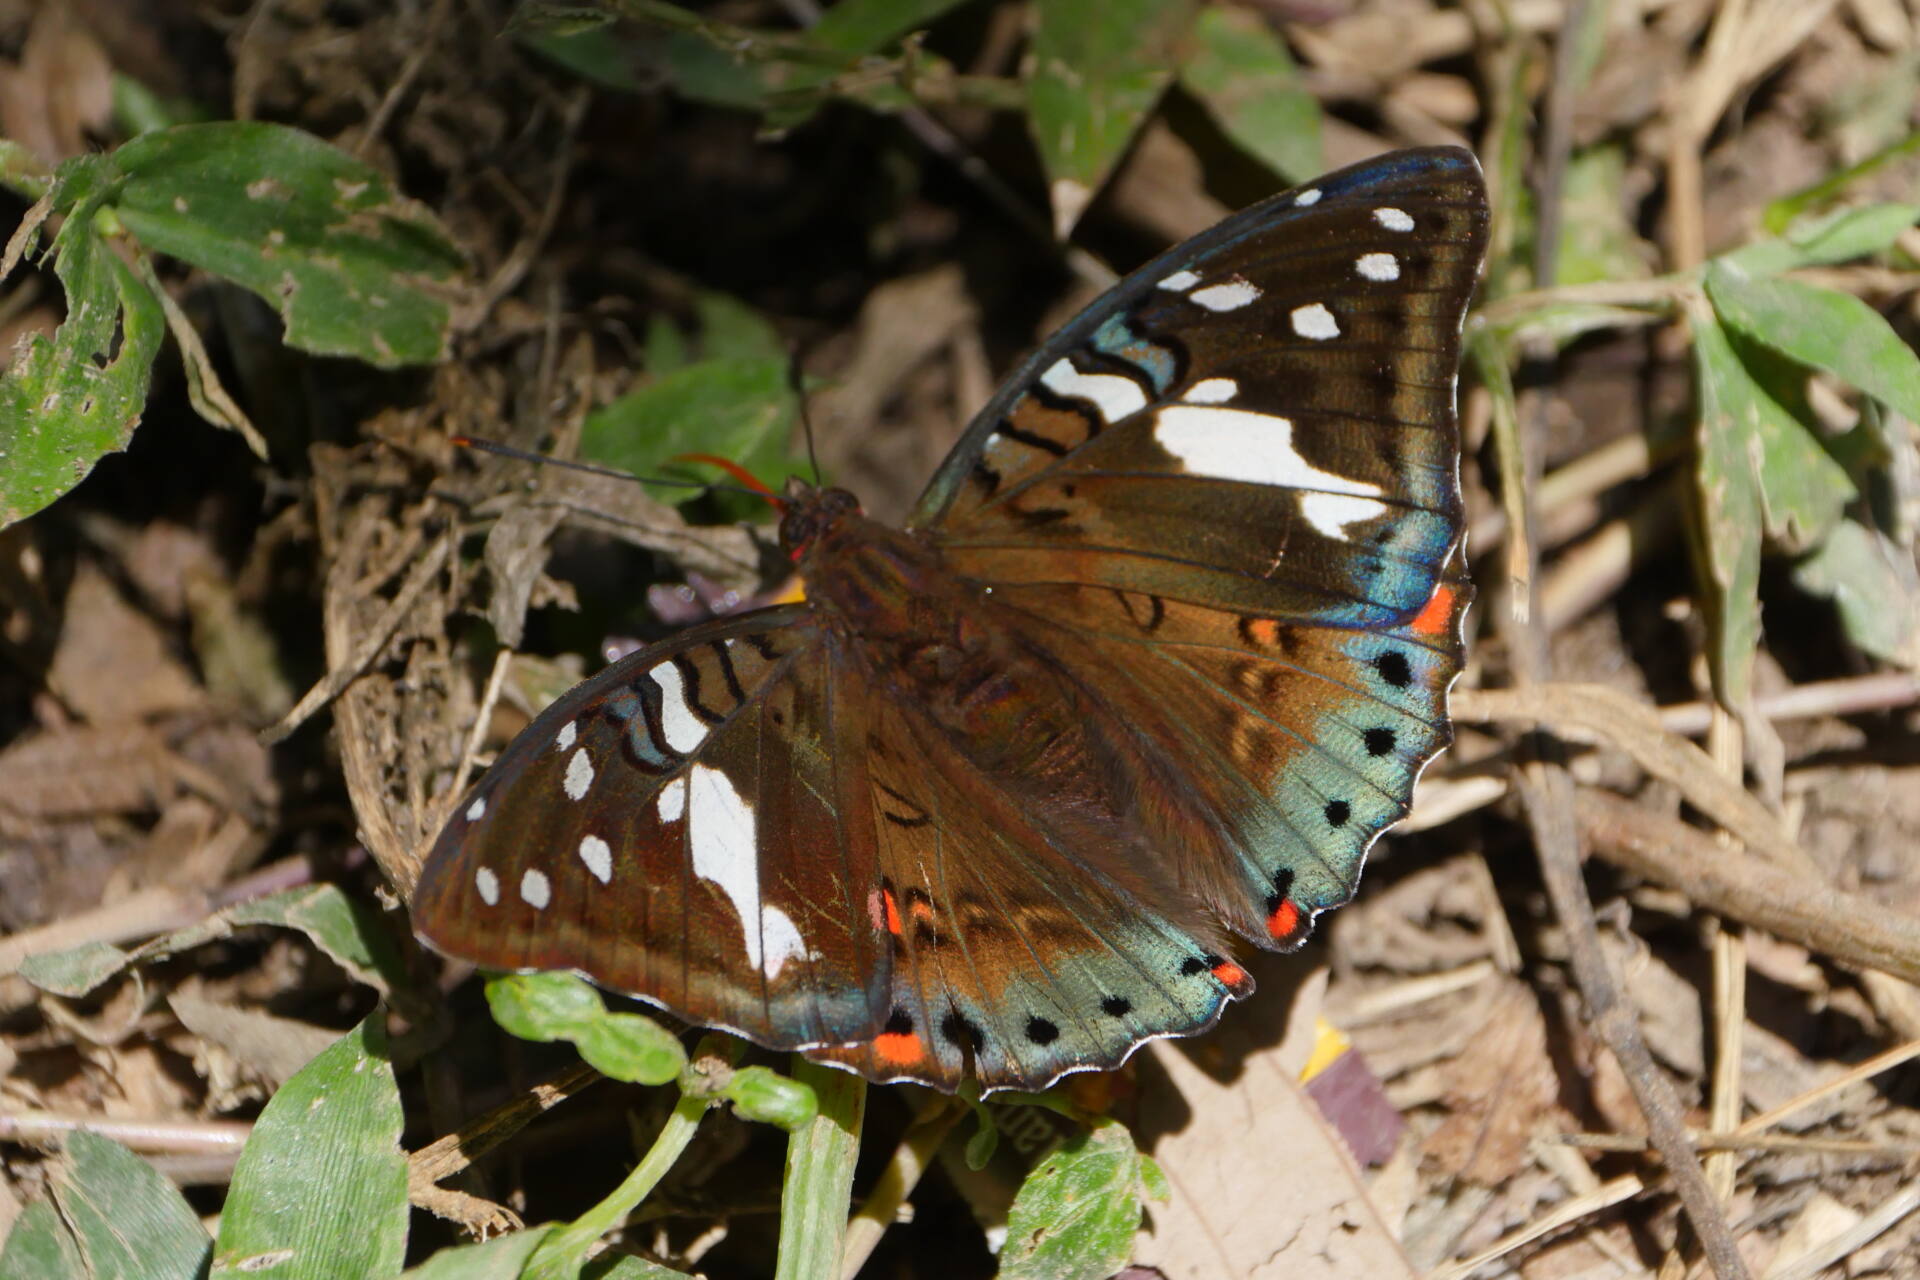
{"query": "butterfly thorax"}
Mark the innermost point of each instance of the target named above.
(934, 641)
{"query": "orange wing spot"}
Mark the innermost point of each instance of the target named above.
(1284, 919)
(1231, 974)
(898, 1048)
(920, 909)
(1264, 631)
(1437, 614)
(893, 913)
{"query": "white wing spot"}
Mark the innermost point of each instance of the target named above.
(721, 828)
(1116, 397)
(1310, 196)
(1381, 267)
(673, 801)
(566, 736)
(579, 775)
(536, 890)
(1180, 281)
(1257, 448)
(488, 884)
(1212, 391)
(1230, 296)
(477, 810)
(1393, 219)
(598, 855)
(681, 728)
(1315, 322)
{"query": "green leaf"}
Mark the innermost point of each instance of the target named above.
(74, 972)
(351, 266)
(351, 934)
(544, 1007)
(68, 401)
(1241, 71)
(500, 1259)
(1076, 1214)
(630, 1046)
(818, 1184)
(737, 408)
(632, 1268)
(348, 932)
(126, 1219)
(1097, 69)
(1873, 585)
(762, 1094)
(1598, 243)
(1824, 328)
(321, 1187)
(1834, 237)
(1760, 470)
(40, 1245)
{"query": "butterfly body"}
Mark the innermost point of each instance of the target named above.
(1159, 654)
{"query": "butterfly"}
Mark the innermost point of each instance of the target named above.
(1158, 655)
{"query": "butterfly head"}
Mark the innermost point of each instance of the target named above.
(811, 513)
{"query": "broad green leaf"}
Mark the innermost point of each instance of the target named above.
(320, 1191)
(544, 1007)
(352, 267)
(1834, 237)
(1241, 71)
(1096, 70)
(74, 972)
(1824, 328)
(1075, 1216)
(1760, 471)
(127, 1220)
(41, 1246)
(68, 401)
(737, 408)
(500, 1259)
(1873, 585)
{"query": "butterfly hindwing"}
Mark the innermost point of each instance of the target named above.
(672, 828)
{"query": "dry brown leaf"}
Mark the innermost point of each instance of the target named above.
(122, 768)
(270, 1048)
(1263, 1187)
(1497, 1089)
(112, 663)
(61, 89)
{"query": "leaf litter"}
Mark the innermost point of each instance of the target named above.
(185, 598)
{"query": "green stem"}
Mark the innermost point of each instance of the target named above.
(819, 1180)
(561, 1254)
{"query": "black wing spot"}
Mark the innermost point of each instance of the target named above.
(1338, 811)
(986, 477)
(962, 1031)
(1041, 1031)
(900, 1023)
(1193, 965)
(1380, 741)
(1394, 668)
(1116, 1006)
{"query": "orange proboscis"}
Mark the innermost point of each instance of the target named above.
(1284, 918)
(1437, 612)
(897, 1048)
(738, 472)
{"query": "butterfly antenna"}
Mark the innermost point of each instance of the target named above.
(753, 489)
(797, 379)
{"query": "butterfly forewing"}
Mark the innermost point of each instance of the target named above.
(1261, 420)
(671, 828)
